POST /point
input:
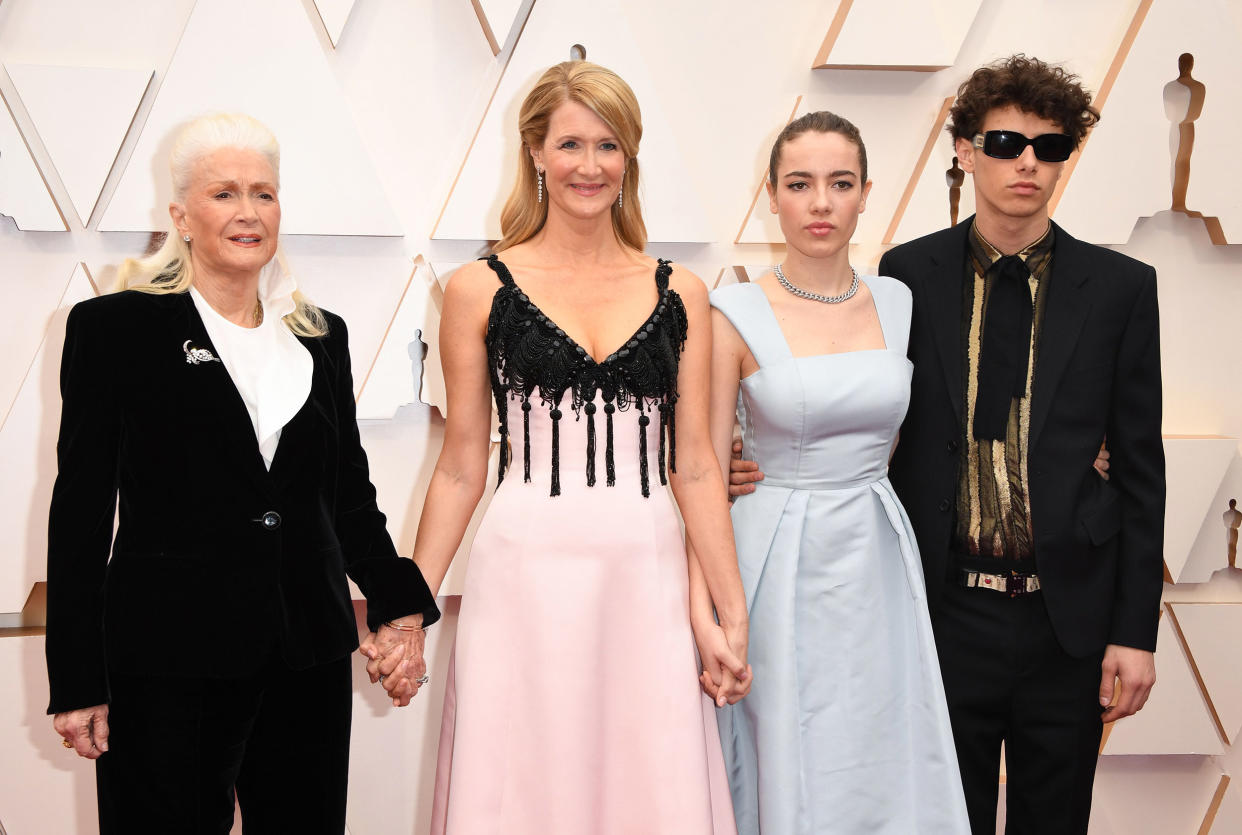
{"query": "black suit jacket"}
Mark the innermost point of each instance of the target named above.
(1098, 545)
(216, 562)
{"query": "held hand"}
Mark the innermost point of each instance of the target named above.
(739, 642)
(726, 676)
(395, 658)
(742, 474)
(1126, 679)
(1101, 463)
(86, 730)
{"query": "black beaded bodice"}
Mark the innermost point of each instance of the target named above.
(531, 358)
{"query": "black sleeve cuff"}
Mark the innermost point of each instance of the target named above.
(395, 588)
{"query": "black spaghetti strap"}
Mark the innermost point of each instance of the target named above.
(663, 271)
(506, 278)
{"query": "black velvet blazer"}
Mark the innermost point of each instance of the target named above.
(216, 563)
(1099, 545)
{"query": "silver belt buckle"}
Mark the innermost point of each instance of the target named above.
(1014, 586)
(983, 580)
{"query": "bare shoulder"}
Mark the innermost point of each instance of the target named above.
(688, 285)
(472, 284)
(472, 277)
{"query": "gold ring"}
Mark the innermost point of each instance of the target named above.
(66, 743)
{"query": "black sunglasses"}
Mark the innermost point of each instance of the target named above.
(1008, 144)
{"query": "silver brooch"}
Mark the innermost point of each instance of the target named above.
(196, 355)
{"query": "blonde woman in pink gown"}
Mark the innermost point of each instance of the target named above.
(573, 704)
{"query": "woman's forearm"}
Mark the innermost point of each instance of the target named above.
(701, 610)
(451, 501)
(702, 498)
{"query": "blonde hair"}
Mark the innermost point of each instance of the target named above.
(608, 97)
(169, 268)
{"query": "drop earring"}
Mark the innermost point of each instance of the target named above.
(621, 192)
(539, 184)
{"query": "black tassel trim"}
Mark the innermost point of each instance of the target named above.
(526, 438)
(503, 411)
(660, 457)
(501, 465)
(643, 423)
(589, 408)
(610, 469)
(556, 452)
(671, 409)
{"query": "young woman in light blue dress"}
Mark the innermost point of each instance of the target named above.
(845, 728)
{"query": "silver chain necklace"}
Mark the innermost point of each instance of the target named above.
(807, 294)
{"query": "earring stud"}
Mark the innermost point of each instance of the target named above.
(185, 238)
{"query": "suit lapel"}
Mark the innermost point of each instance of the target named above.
(297, 433)
(944, 303)
(213, 390)
(1064, 313)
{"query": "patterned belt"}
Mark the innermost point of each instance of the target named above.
(1013, 583)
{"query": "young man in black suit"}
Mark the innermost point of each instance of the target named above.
(1030, 349)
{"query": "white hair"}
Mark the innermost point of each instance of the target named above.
(168, 269)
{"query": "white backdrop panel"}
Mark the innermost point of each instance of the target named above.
(1194, 468)
(1210, 630)
(334, 14)
(1125, 169)
(43, 787)
(1210, 552)
(1132, 795)
(497, 18)
(904, 33)
(1200, 306)
(27, 448)
(670, 196)
(23, 193)
(82, 114)
(328, 183)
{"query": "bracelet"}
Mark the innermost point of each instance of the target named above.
(401, 627)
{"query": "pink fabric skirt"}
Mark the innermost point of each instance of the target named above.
(573, 704)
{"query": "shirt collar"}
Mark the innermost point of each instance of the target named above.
(276, 288)
(1035, 254)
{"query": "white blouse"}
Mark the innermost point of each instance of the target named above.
(269, 366)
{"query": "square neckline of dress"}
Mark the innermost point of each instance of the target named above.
(775, 323)
(661, 294)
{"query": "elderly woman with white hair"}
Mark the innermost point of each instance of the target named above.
(209, 657)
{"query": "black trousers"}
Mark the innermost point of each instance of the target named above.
(1007, 679)
(179, 748)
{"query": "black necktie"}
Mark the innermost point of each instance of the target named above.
(1006, 349)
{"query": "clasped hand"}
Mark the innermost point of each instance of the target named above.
(395, 659)
(726, 676)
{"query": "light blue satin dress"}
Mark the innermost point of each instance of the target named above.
(845, 729)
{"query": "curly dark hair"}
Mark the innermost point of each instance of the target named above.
(1028, 84)
(820, 121)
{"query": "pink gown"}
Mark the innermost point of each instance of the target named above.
(573, 704)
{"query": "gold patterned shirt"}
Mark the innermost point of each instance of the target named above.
(993, 491)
